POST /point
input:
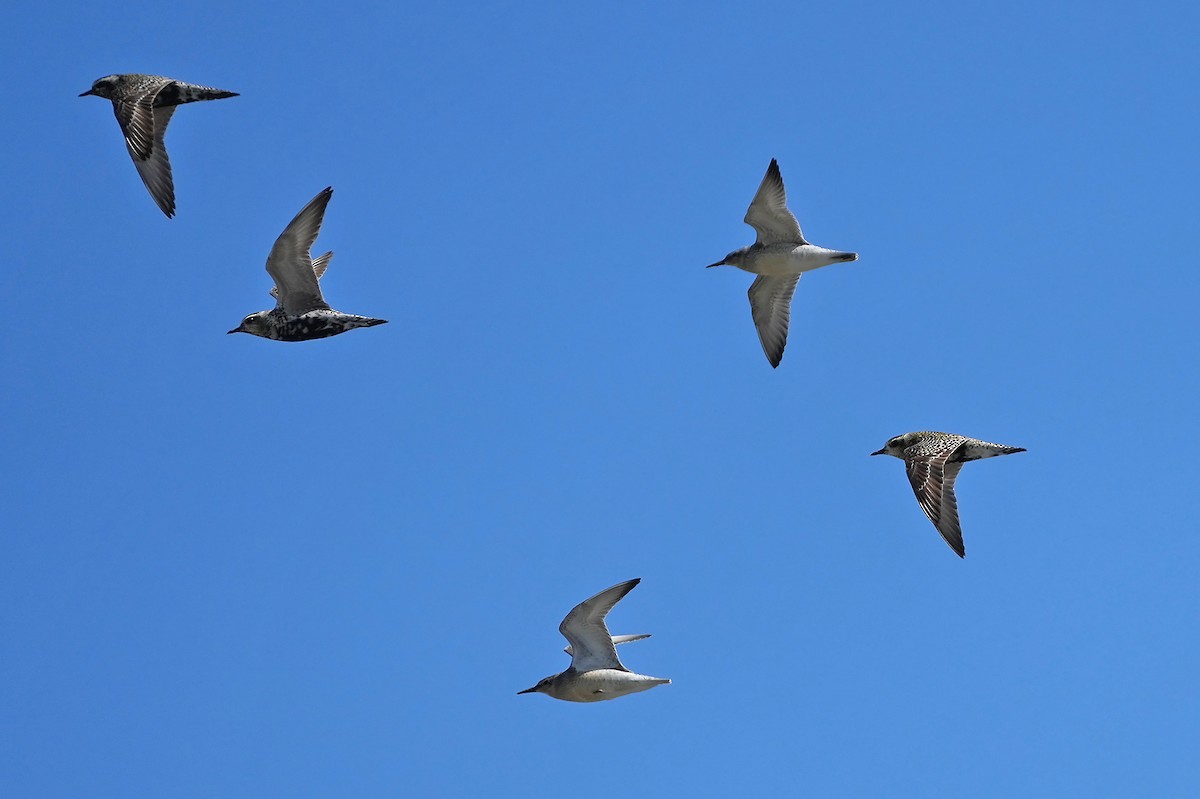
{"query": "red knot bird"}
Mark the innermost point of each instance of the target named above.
(596, 673)
(779, 256)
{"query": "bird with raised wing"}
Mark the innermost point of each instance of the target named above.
(933, 461)
(144, 105)
(596, 673)
(778, 256)
(300, 312)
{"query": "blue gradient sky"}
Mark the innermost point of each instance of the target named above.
(235, 567)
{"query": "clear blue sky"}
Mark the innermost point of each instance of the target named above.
(234, 567)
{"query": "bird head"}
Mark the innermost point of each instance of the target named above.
(735, 258)
(896, 446)
(256, 324)
(103, 87)
(542, 687)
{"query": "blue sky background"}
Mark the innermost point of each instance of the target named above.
(236, 567)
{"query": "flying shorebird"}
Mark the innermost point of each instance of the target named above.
(779, 256)
(300, 312)
(144, 105)
(596, 673)
(933, 461)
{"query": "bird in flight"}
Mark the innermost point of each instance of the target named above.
(300, 311)
(596, 673)
(144, 105)
(778, 256)
(933, 461)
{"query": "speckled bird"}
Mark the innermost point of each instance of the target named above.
(300, 311)
(596, 673)
(933, 461)
(779, 256)
(144, 105)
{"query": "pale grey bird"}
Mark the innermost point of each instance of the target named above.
(144, 105)
(596, 673)
(779, 256)
(933, 461)
(300, 311)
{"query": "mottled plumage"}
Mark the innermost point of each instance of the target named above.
(596, 673)
(933, 461)
(779, 256)
(144, 105)
(300, 311)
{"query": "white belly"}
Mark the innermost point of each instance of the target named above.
(602, 684)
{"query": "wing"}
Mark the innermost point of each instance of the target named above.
(144, 127)
(932, 480)
(321, 264)
(616, 639)
(771, 307)
(319, 267)
(768, 213)
(290, 263)
(591, 645)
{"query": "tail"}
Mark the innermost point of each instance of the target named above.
(179, 93)
(994, 450)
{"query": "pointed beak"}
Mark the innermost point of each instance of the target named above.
(718, 263)
(528, 691)
(849, 256)
(880, 452)
(85, 94)
(235, 330)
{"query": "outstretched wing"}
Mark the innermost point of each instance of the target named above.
(771, 307)
(319, 267)
(932, 479)
(584, 628)
(616, 639)
(768, 213)
(144, 127)
(290, 263)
